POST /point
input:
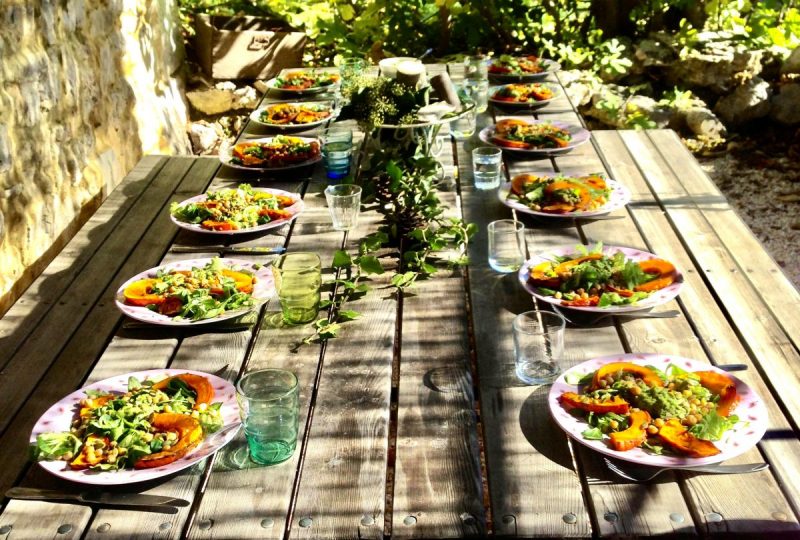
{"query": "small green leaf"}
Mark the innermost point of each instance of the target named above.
(325, 303)
(349, 315)
(370, 265)
(341, 259)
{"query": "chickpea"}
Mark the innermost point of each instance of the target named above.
(202, 407)
(580, 291)
(613, 424)
(635, 390)
(558, 295)
(659, 422)
(687, 393)
(691, 420)
(652, 430)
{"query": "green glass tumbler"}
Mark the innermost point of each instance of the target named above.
(269, 407)
(298, 278)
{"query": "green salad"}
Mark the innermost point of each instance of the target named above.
(152, 424)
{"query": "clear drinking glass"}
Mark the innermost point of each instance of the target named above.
(486, 164)
(344, 204)
(479, 92)
(539, 346)
(298, 278)
(350, 67)
(337, 148)
(269, 407)
(476, 67)
(506, 245)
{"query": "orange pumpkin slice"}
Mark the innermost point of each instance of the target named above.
(189, 431)
(88, 457)
(541, 275)
(724, 387)
(583, 193)
(635, 435)
(565, 267)
(641, 372)
(140, 293)
(201, 386)
(613, 404)
(666, 275)
(677, 436)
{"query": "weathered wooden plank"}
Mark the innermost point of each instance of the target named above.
(437, 480)
(780, 296)
(72, 362)
(713, 330)
(42, 520)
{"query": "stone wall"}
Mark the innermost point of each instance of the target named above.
(86, 88)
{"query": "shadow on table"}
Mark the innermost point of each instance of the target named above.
(539, 429)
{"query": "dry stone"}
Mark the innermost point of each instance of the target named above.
(86, 89)
(747, 102)
(786, 105)
(704, 123)
(720, 69)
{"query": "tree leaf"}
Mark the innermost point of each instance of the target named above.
(370, 265)
(341, 259)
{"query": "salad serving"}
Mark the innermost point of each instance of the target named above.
(663, 410)
(294, 114)
(273, 153)
(519, 134)
(305, 80)
(235, 209)
(523, 93)
(560, 194)
(525, 65)
(152, 424)
(193, 294)
(599, 279)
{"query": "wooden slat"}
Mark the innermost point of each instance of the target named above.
(437, 481)
(42, 520)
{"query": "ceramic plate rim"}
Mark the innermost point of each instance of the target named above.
(756, 413)
(254, 116)
(262, 291)
(296, 209)
(308, 91)
(574, 130)
(612, 205)
(528, 104)
(658, 298)
(225, 155)
(64, 409)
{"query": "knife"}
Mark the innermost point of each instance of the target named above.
(229, 249)
(132, 501)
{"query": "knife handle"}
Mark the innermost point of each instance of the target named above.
(36, 494)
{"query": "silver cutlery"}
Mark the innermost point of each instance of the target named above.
(644, 473)
(587, 319)
(125, 501)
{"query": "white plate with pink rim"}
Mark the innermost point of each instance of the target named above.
(294, 209)
(617, 198)
(263, 289)
(579, 135)
(657, 298)
(751, 411)
(59, 417)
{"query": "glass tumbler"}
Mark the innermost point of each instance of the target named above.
(486, 165)
(269, 407)
(344, 204)
(539, 346)
(337, 148)
(298, 278)
(506, 245)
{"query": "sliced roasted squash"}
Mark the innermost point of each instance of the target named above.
(666, 275)
(204, 391)
(89, 404)
(541, 275)
(677, 436)
(724, 387)
(140, 293)
(89, 455)
(647, 375)
(583, 193)
(189, 431)
(614, 404)
(564, 269)
(635, 435)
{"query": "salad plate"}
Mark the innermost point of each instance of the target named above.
(745, 433)
(655, 297)
(59, 417)
(525, 68)
(618, 196)
(305, 81)
(497, 134)
(198, 201)
(524, 96)
(294, 116)
(263, 287)
(278, 153)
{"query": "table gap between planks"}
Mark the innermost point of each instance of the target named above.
(413, 423)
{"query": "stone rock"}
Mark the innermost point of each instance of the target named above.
(226, 85)
(653, 53)
(704, 123)
(212, 101)
(747, 102)
(792, 64)
(786, 105)
(649, 107)
(606, 106)
(718, 68)
(205, 137)
(245, 98)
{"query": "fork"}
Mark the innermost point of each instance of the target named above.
(644, 473)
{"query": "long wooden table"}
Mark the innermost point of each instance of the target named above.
(413, 423)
